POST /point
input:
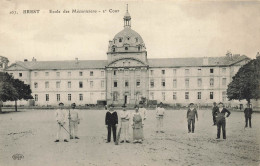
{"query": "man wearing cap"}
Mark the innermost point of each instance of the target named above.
(248, 114)
(124, 117)
(159, 116)
(111, 121)
(61, 117)
(214, 109)
(191, 113)
(74, 121)
(221, 120)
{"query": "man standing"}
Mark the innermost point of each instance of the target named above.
(159, 116)
(248, 113)
(214, 109)
(191, 113)
(125, 116)
(74, 121)
(61, 117)
(111, 122)
(221, 120)
(143, 111)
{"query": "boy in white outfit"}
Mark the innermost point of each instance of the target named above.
(61, 117)
(125, 116)
(159, 116)
(74, 121)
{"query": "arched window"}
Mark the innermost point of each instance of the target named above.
(126, 48)
(120, 40)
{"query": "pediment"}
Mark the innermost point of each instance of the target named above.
(126, 62)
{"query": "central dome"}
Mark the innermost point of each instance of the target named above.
(127, 34)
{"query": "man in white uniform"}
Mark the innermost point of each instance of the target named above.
(74, 121)
(159, 116)
(61, 118)
(125, 116)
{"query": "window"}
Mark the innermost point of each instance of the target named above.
(80, 84)
(199, 71)
(114, 49)
(128, 38)
(35, 85)
(47, 84)
(163, 72)
(139, 48)
(224, 95)
(57, 74)
(102, 73)
(58, 97)
(35, 97)
(120, 40)
(174, 83)
(174, 96)
(126, 48)
(126, 83)
(163, 96)
(126, 72)
(46, 73)
(174, 71)
(47, 97)
(152, 83)
(35, 74)
(114, 72)
(69, 97)
(223, 70)
(187, 71)
(211, 95)
(138, 83)
(115, 84)
(69, 73)
(91, 73)
(57, 84)
(211, 70)
(151, 72)
(163, 82)
(115, 96)
(186, 95)
(80, 73)
(199, 95)
(91, 84)
(136, 40)
(20, 74)
(69, 84)
(102, 84)
(211, 82)
(152, 95)
(187, 82)
(199, 82)
(224, 81)
(80, 97)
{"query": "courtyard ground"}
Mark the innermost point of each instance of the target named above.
(32, 134)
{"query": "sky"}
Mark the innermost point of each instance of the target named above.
(170, 29)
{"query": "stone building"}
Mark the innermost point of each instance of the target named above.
(128, 75)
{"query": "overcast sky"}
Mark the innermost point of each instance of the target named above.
(169, 28)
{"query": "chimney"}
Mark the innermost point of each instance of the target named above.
(25, 60)
(229, 55)
(205, 61)
(257, 55)
(76, 60)
(34, 60)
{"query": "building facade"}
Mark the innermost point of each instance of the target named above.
(128, 76)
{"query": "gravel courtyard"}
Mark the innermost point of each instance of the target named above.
(32, 134)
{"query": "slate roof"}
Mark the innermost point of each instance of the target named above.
(98, 64)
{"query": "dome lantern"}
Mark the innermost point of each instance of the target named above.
(127, 18)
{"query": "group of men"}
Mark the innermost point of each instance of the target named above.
(111, 120)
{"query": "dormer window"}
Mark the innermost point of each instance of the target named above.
(120, 40)
(126, 48)
(114, 49)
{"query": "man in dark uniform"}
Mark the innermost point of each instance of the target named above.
(248, 112)
(191, 113)
(221, 120)
(214, 109)
(111, 122)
